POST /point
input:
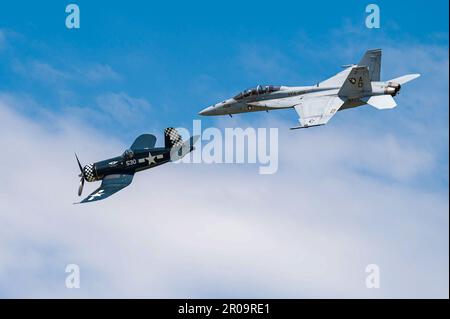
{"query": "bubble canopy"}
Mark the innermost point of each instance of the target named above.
(128, 154)
(259, 89)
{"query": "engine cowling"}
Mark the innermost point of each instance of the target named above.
(392, 88)
(89, 173)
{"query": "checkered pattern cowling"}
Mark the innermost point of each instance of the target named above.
(174, 136)
(89, 174)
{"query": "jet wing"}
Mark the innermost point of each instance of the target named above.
(144, 142)
(110, 184)
(314, 111)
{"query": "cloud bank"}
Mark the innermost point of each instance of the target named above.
(369, 188)
(221, 230)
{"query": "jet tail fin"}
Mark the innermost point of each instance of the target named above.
(356, 83)
(372, 60)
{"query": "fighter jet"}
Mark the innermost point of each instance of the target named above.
(356, 85)
(117, 172)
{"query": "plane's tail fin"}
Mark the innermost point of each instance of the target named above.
(356, 83)
(172, 137)
(180, 150)
(372, 60)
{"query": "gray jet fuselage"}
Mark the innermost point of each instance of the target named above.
(279, 99)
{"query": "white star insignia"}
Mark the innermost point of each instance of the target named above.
(150, 158)
(98, 194)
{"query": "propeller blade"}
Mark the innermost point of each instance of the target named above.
(79, 164)
(80, 187)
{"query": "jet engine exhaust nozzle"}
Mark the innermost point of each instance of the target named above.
(392, 88)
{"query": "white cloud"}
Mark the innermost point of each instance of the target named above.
(100, 72)
(219, 230)
(40, 71)
(352, 193)
(122, 107)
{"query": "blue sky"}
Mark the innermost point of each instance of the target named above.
(171, 60)
(185, 55)
(140, 66)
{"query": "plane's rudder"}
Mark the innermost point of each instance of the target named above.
(172, 137)
(372, 59)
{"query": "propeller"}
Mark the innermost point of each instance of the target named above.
(80, 187)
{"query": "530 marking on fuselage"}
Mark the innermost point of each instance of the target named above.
(130, 162)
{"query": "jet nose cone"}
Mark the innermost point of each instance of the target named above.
(207, 111)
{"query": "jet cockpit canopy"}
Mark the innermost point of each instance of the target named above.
(259, 89)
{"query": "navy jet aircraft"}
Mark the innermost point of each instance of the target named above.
(357, 85)
(117, 172)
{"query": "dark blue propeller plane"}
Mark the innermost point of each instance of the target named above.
(117, 172)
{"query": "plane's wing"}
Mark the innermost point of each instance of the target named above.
(314, 111)
(143, 142)
(110, 184)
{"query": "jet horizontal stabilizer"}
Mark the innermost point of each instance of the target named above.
(405, 78)
(381, 102)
